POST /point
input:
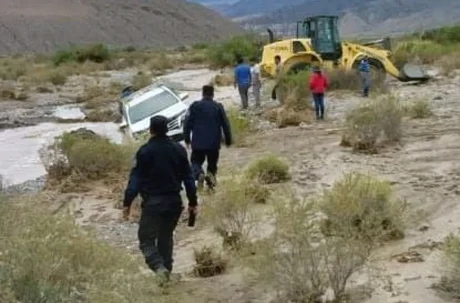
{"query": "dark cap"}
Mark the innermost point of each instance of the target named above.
(159, 125)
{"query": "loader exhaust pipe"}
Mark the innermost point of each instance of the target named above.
(271, 36)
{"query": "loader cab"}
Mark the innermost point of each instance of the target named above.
(324, 34)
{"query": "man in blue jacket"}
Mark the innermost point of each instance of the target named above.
(206, 122)
(364, 69)
(243, 80)
(161, 166)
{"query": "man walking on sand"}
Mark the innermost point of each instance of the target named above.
(364, 69)
(256, 81)
(160, 168)
(205, 123)
(318, 85)
(243, 80)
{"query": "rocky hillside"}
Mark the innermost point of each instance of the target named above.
(376, 16)
(46, 25)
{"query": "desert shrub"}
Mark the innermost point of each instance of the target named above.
(295, 86)
(45, 258)
(302, 267)
(94, 157)
(160, 62)
(223, 79)
(269, 169)
(450, 281)
(209, 262)
(226, 53)
(366, 122)
(102, 115)
(419, 109)
(424, 51)
(361, 206)
(443, 35)
(448, 63)
(13, 68)
(240, 125)
(230, 211)
(96, 53)
(141, 80)
(44, 90)
(57, 78)
(198, 46)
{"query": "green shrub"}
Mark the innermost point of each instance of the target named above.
(366, 123)
(361, 206)
(295, 91)
(269, 169)
(419, 109)
(45, 258)
(450, 281)
(141, 80)
(57, 78)
(443, 35)
(240, 126)
(226, 53)
(96, 53)
(94, 157)
(209, 262)
(299, 265)
(230, 209)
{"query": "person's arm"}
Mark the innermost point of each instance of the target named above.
(133, 187)
(312, 83)
(189, 181)
(225, 124)
(188, 125)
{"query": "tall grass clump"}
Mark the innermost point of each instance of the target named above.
(369, 122)
(231, 209)
(450, 282)
(363, 207)
(89, 156)
(45, 258)
(241, 127)
(268, 170)
(226, 53)
(419, 109)
(96, 53)
(299, 265)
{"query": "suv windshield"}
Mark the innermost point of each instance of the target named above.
(151, 106)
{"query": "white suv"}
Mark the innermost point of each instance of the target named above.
(138, 107)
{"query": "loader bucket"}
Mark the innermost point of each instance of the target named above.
(411, 72)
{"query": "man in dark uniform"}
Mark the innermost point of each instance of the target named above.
(161, 166)
(206, 122)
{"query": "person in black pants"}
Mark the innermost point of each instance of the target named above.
(205, 124)
(161, 166)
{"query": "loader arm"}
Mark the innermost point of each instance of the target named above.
(383, 58)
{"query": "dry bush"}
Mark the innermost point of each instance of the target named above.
(241, 127)
(57, 78)
(303, 266)
(45, 258)
(141, 80)
(209, 262)
(92, 157)
(424, 51)
(448, 63)
(362, 207)
(366, 123)
(44, 90)
(223, 79)
(269, 169)
(419, 109)
(102, 115)
(450, 281)
(230, 211)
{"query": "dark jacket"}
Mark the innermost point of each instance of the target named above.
(206, 121)
(161, 166)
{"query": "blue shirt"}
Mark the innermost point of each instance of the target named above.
(243, 75)
(364, 66)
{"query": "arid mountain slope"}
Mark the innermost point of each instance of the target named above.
(46, 25)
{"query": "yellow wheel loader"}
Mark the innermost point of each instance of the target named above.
(318, 43)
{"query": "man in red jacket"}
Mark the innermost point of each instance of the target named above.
(318, 85)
